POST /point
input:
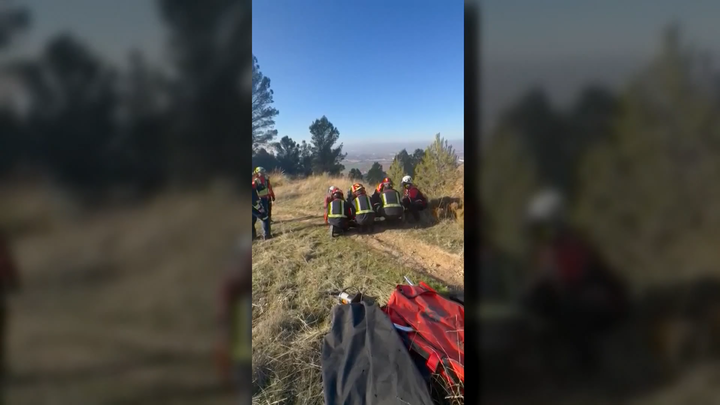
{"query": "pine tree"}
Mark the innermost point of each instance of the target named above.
(375, 175)
(438, 168)
(288, 155)
(355, 174)
(401, 166)
(325, 157)
(263, 114)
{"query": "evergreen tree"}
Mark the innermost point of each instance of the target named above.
(402, 165)
(325, 157)
(288, 155)
(375, 175)
(438, 168)
(355, 174)
(263, 113)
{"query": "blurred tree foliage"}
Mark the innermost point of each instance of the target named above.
(355, 174)
(639, 168)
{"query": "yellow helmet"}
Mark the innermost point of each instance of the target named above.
(259, 170)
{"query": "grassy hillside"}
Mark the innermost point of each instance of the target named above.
(293, 271)
(117, 307)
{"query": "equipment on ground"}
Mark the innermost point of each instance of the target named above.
(411, 349)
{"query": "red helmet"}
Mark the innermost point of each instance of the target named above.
(358, 188)
(337, 194)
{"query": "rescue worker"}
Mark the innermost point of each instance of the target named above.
(259, 213)
(9, 283)
(379, 187)
(574, 290)
(413, 200)
(328, 199)
(264, 190)
(234, 350)
(362, 207)
(339, 213)
(387, 201)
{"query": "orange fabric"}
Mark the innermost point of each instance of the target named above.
(438, 324)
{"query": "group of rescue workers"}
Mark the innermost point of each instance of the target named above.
(358, 209)
(343, 211)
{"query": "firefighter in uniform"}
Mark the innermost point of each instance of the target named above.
(259, 213)
(328, 199)
(234, 351)
(339, 213)
(362, 207)
(387, 202)
(264, 190)
(413, 200)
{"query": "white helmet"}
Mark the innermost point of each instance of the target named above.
(332, 189)
(406, 180)
(548, 205)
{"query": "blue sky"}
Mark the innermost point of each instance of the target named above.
(379, 70)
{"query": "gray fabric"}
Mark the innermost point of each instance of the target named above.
(365, 362)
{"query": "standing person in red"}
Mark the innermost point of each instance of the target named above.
(8, 284)
(328, 199)
(264, 190)
(339, 213)
(413, 200)
(575, 290)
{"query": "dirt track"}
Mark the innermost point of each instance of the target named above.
(428, 259)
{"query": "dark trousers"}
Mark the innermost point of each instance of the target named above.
(267, 204)
(265, 223)
(341, 223)
(576, 320)
(414, 207)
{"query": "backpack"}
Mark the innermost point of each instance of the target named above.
(438, 330)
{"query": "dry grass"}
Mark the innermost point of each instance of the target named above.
(119, 307)
(291, 276)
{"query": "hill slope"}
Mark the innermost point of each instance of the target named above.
(293, 271)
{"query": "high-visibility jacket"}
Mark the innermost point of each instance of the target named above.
(391, 204)
(363, 209)
(263, 187)
(258, 210)
(362, 205)
(390, 199)
(338, 209)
